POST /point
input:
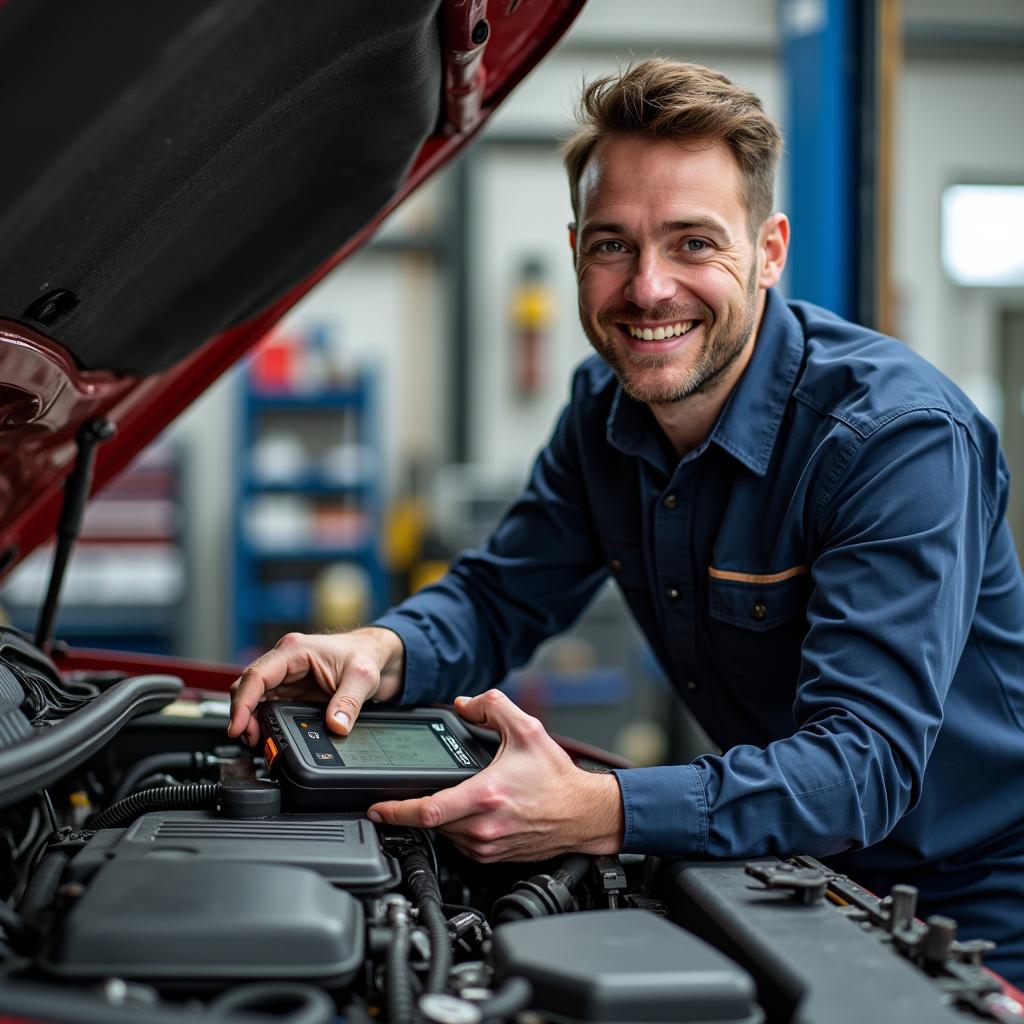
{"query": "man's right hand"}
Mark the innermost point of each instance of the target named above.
(348, 667)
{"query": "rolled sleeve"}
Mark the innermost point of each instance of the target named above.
(664, 810)
(421, 660)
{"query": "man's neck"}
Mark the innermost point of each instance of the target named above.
(686, 423)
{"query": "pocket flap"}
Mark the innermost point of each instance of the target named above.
(757, 600)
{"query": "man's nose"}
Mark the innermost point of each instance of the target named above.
(651, 281)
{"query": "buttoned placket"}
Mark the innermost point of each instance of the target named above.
(672, 527)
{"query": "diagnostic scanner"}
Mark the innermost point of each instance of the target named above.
(388, 755)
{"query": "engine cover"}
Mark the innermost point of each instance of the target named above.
(623, 965)
(344, 850)
(160, 919)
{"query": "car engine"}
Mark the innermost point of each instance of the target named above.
(150, 872)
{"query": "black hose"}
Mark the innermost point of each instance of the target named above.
(311, 1005)
(192, 796)
(433, 917)
(426, 895)
(42, 887)
(175, 761)
(543, 894)
(572, 870)
(27, 767)
(398, 995)
(513, 997)
(14, 927)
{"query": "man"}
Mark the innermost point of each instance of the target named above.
(806, 519)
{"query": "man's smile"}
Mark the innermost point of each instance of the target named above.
(654, 337)
(658, 332)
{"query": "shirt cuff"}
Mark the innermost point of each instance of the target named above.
(421, 667)
(664, 810)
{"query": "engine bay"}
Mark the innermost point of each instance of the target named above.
(151, 873)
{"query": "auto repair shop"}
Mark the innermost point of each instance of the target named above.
(387, 413)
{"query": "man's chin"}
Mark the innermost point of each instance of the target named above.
(654, 386)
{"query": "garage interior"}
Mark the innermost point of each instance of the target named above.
(386, 422)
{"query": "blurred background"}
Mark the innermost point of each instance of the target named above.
(391, 417)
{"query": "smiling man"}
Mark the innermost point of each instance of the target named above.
(806, 519)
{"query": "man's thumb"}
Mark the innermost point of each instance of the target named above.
(343, 710)
(471, 709)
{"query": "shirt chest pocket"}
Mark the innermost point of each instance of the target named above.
(756, 625)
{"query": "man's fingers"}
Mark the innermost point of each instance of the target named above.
(430, 811)
(285, 663)
(251, 686)
(252, 731)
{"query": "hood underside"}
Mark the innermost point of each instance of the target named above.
(187, 168)
(179, 173)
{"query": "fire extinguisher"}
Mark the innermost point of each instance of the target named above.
(532, 312)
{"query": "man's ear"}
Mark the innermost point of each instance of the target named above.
(572, 241)
(773, 247)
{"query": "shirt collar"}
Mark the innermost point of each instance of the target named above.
(749, 423)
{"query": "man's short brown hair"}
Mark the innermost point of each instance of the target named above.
(663, 99)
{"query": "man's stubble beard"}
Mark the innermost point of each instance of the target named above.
(722, 345)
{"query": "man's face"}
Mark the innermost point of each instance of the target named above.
(668, 274)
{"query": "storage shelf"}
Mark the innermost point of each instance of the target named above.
(275, 580)
(314, 552)
(127, 579)
(312, 402)
(308, 483)
(282, 602)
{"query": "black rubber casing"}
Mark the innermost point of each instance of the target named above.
(615, 966)
(307, 785)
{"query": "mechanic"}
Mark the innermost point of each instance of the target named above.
(806, 519)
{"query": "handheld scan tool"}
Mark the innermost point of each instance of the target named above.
(388, 755)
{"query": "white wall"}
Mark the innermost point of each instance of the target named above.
(957, 122)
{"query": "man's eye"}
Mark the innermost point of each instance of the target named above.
(695, 245)
(609, 245)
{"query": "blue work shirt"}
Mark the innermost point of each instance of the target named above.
(828, 581)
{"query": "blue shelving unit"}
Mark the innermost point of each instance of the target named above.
(275, 570)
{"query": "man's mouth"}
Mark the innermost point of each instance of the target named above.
(659, 332)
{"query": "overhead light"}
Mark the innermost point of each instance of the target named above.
(982, 232)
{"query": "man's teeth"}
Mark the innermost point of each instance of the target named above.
(661, 333)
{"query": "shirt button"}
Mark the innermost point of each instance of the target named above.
(692, 685)
(759, 611)
(670, 501)
(672, 593)
(615, 565)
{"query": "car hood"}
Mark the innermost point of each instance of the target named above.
(177, 175)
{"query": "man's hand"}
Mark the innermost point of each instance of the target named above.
(530, 803)
(349, 667)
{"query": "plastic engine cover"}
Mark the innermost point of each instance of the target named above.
(344, 850)
(209, 922)
(623, 966)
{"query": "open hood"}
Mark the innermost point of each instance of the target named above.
(177, 175)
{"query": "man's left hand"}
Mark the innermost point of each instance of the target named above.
(530, 803)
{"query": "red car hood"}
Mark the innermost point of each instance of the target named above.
(178, 175)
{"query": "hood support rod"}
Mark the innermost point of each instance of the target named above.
(72, 511)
